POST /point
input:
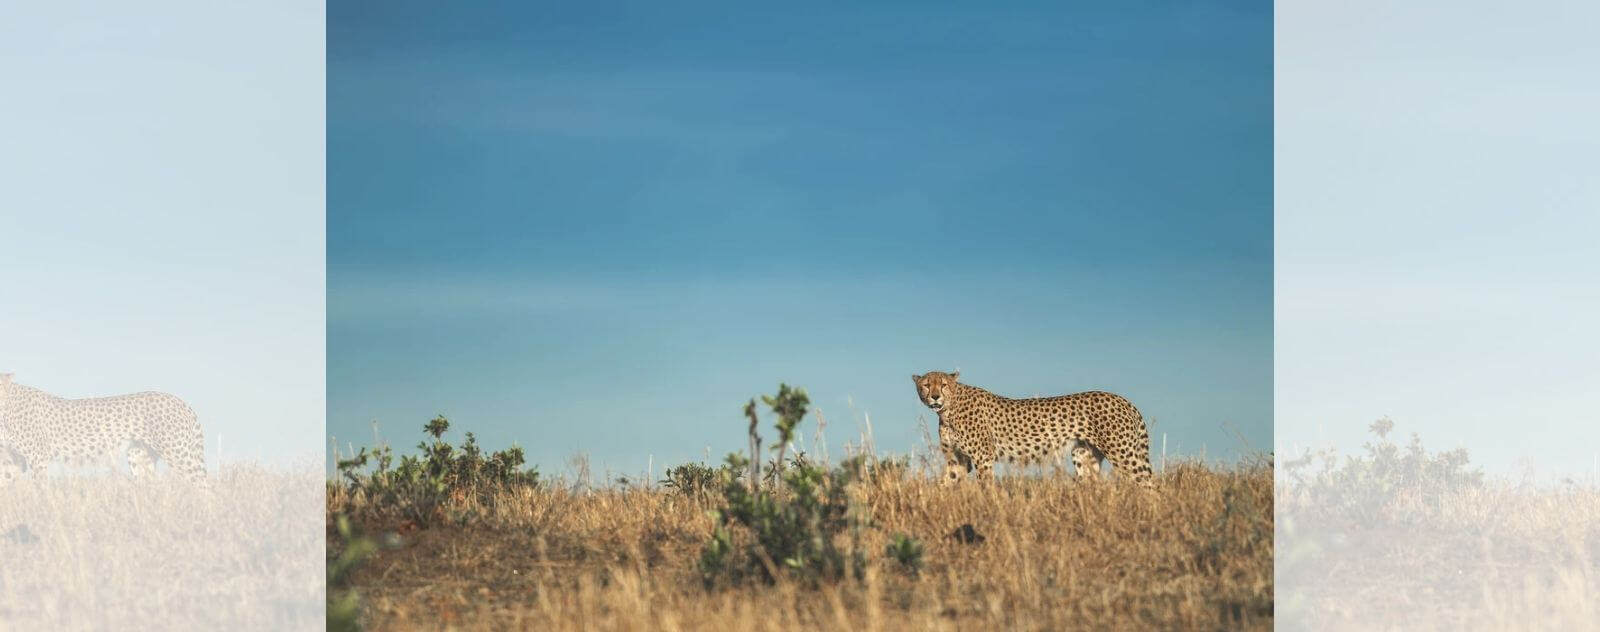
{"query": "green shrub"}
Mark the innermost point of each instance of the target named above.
(907, 551)
(791, 526)
(419, 486)
(697, 479)
(1364, 487)
(1386, 467)
(344, 604)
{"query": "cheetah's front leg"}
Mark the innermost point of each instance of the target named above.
(956, 464)
(986, 470)
(983, 460)
(10, 468)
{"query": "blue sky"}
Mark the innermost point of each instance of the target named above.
(601, 232)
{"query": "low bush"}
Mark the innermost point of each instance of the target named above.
(418, 487)
(804, 522)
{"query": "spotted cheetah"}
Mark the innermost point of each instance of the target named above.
(37, 428)
(977, 427)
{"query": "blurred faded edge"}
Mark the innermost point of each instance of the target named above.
(1436, 219)
(161, 225)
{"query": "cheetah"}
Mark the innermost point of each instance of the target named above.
(37, 428)
(977, 427)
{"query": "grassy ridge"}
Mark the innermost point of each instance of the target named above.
(1055, 554)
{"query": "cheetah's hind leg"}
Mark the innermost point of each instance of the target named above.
(1131, 464)
(189, 460)
(1086, 459)
(141, 460)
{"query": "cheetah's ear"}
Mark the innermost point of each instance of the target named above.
(5, 378)
(916, 378)
(955, 375)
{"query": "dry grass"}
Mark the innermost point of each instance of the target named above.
(1194, 554)
(1500, 556)
(110, 552)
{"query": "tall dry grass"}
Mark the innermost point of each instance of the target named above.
(111, 552)
(1056, 554)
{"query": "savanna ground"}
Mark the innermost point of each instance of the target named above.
(98, 552)
(1045, 552)
(1402, 539)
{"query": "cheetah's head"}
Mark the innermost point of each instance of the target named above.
(935, 388)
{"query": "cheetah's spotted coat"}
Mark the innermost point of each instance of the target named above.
(37, 428)
(977, 427)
